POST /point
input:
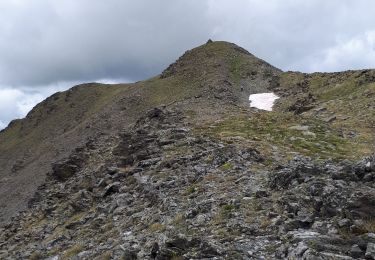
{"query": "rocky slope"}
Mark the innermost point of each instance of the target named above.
(180, 167)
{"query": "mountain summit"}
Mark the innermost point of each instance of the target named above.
(179, 166)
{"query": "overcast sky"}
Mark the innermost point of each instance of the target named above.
(50, 45)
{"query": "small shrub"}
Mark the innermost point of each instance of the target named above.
(191, 189)
(369, 225)
(228, 207)
(227, 166)
(36, 256)
(179, 219)
(73, 251)
(106, 256)
(157, 227)
(226, 210)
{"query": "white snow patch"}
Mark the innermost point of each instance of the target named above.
(263, 101)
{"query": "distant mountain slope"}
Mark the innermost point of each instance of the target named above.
(205, 77)
(181, 160)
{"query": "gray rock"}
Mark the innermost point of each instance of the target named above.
(370, 251)
(356, 251)
(344, 223)
(298, 252)
(330, 119)
(300, 127)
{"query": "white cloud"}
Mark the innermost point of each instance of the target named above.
(294, 35)
(355, 53)
(2, 125)
(16, 103)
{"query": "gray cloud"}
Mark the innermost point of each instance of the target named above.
(48, 41)
(44, 42)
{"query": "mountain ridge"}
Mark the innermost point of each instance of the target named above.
(96, 142)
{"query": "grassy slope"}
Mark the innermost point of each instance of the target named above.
(347, 96)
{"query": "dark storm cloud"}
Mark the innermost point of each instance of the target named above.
(47, 45)
(47, 41)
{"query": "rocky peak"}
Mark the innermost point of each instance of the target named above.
(217, 57)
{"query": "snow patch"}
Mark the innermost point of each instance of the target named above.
(263, 101)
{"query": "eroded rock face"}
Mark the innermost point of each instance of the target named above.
(65, 169)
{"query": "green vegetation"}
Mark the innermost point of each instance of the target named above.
(236, 68)
(275, 128)
(228, 207)
(226, 166)
(369, 225)
(105, 256)
(72, 251)
(63, 111)
(36, 256)
(226, 210)
(191, 189)
(157, 227)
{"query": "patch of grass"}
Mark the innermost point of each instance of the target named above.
(179, 219)
(226, 210)
(348, 96)
(265, 222)
(223, 215)
(236, 68)
(72, 251)
(191, 189)
(226, 166)
(228, 207)
(157, 227)
(271, 248)
(36, 256)
(105, 256)
(266, 129)
(338, 90)
(369, 225)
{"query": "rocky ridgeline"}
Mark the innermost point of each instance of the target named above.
(161, 191)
